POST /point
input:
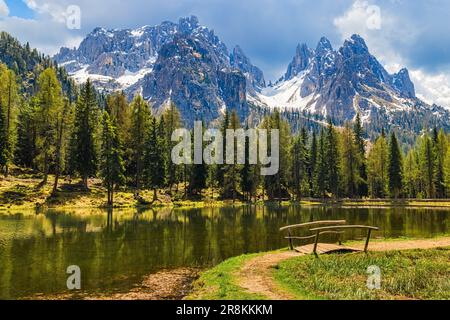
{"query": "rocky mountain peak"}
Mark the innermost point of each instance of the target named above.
(324, 45)
(241, 62)
(402, 82)
(300, 62)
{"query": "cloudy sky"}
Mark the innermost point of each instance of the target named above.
(401, 33)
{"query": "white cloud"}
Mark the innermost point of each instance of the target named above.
(4, 10)
(383, 42)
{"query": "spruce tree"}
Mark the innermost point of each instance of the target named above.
(140, 121)
(358, 131)
(332, 160)
(395, 167)
(83, 157)
(3, 138)
(312, 163)
(427, 165)
(154, 172)
(112, 166)
(321, 167)
(172, 120)
(25, 151)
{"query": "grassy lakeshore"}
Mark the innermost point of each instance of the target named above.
(410, 274)
(25, 191)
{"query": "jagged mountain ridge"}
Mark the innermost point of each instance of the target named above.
(183, 63)
(187, 64)
(340, 84)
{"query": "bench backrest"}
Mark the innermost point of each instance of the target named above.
(314, 224)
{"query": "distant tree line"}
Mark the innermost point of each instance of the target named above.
(128, 146)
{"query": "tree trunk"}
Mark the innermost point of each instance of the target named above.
(155, 195)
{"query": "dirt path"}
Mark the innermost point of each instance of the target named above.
(256, 274)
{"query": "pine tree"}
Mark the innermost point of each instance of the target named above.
(231, 172)
(350, 163)
(411, 176)
(427, 165)
(440, 150)
(299, 166)
(140, 122)
(62, 118)
(112, 166)
(83, 157)
(395, 168)
(172, 120)
(358, 131)
(3, 138)
(321, 167)
(25, 151)
(332, 160)
(312, 163)
(447, 172)
(154, 165)
(246, 172)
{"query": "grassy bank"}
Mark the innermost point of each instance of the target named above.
(409, 274)
(414, 274)
(25, 191)
(220, 282)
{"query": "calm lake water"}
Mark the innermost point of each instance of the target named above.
(116, 250)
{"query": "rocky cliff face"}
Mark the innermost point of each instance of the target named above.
(339, 84)
(187, 64)
(183, 63)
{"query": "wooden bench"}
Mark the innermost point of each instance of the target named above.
(334, 229)
(289, 229)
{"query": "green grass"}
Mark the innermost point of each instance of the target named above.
(219, 283)
(415, 274)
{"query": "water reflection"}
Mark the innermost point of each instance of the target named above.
(116, 249)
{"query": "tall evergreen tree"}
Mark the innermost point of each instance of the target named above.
(232, 176)
(50, 102)
(154, 165)
(411, 175)
(172, 120)
(358, 131)
(395, 167)
(350, 163)
(427, 165)
(321, 167)
(332, 160)
(25, 151)
(3, 138)
(140, 121)
(312, 163)
(83, 155)
(112, 166)
(440, 150)
(378, 168)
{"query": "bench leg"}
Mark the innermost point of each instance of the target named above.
(367, 241)
(316, 243)
(291, 245)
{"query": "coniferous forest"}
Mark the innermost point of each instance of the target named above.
(50, 126)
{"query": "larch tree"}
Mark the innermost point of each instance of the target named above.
(377, 166)
(50, 103)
